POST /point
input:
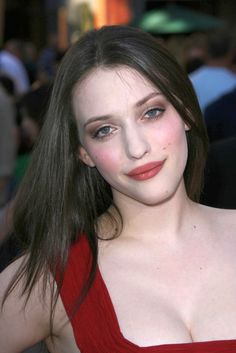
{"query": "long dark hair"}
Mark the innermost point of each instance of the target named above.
(60, 197)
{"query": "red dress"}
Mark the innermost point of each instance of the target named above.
(95, 325)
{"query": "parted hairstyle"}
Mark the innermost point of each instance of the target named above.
(61, 198)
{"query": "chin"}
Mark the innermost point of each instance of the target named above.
(152, 198)
(155, 201)
(155, 197)
(152, 195)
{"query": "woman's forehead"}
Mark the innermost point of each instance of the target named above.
(122, 73)
(105, 89)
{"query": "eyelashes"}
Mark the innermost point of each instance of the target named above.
(154, 113)
(103, 132)
(107, 130)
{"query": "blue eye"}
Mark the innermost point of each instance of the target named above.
(103, 132)
(153, 113)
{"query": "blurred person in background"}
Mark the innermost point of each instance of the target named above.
(8, 143)
(30, 55)
(220, 174)
(47, 58)
(220, 117)
(9, 86)
(32, 107)
(216, 77)
(8, 149)
(11, 64)
(194, 51)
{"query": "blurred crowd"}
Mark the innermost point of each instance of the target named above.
(26, 78)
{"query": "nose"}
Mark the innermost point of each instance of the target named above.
(136, 143)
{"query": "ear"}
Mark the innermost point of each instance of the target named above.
(186, 127)
(84, 157)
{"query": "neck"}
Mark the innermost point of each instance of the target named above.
(165, 220)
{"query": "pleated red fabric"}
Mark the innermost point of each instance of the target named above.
(95, 325)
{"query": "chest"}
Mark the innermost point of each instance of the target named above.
(159, 299)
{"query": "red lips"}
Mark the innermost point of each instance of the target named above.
(146, 171)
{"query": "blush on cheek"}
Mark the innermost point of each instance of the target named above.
(105, 160)
(170, 130)
(172, 135)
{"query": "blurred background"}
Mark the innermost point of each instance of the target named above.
(34, 20)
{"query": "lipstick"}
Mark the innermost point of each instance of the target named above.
(146, 171)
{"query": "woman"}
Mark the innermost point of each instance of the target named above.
(119, 257)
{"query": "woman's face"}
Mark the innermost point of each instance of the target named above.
(131, 134)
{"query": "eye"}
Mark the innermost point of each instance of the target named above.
(154, 113)
(102, 132)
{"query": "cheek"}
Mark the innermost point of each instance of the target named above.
(171, 134)
(105, 160)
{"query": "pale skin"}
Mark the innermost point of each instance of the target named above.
(173, 267)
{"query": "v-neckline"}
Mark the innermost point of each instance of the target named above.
(171, 347)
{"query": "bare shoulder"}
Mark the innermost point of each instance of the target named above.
(22, 323)
(220, 222)
(220, 215)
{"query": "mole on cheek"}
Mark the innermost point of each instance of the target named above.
(164, 148)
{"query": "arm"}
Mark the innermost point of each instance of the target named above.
(21, 327)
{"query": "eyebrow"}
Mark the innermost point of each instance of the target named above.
(137, 104)
(146, 99)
